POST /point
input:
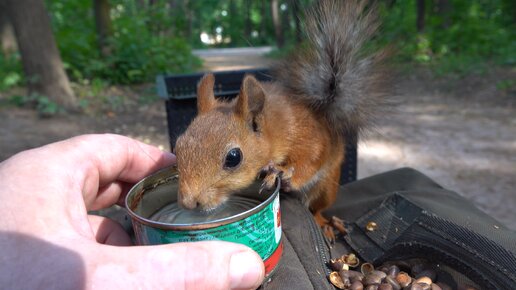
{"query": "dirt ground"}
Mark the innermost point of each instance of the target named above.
(460, 131)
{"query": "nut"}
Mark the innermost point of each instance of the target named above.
(373, 278)
(371, 226)
(336, 280)
(345, 277)
(395, 285)
(392, 271)
(357, 285)
(403, 279)
(385, 286)
(430, 273)
(379, 273)
(351, 259)
(416, 286)
(420, 286)
(336, 264)
(424, 280)
(352, 275)
(366, 268)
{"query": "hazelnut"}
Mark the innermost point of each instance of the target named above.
(395, 285)
(336, 280)
(357, 285)
(351, 259)
(403, 279)
(424, 280)
(366, 268)
(385, 286)
(336, 264)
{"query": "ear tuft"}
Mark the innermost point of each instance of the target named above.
(251, 99)
(205, 98)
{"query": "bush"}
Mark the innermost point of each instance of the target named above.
(137, 55)
(464, 38)
(10, 72)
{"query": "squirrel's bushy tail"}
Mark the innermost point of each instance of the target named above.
(334, 74)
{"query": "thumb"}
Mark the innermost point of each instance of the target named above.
(200, 265)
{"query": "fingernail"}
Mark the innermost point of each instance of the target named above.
(245, 270)
(168, 157)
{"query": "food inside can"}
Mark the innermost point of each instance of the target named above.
(173, 213)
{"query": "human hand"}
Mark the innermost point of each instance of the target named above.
(48, 241)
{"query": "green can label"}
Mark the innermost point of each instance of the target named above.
(260, 231)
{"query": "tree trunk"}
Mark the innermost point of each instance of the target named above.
(296, 13)
(276, 20)
(248, 25)
(420, 21)
(141, 4)
(444, 9)
(285, 22)
(263, 19)
(101, 10)
(40, 57)
(7, 39)
(509, 11)
(390, 3)
(189, 20)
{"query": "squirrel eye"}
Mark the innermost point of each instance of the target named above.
(233, 158)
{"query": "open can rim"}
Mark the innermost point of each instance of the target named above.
(163, 176)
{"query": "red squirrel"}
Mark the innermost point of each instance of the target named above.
(294, 124)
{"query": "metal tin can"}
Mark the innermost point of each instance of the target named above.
(258, 227)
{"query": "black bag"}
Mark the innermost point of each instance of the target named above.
(415, 217)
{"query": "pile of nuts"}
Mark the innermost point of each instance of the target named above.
(390, 276)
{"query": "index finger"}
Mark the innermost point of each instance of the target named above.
(120, 158)
(108, 158)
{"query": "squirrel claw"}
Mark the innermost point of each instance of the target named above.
(271, 171)
(328, 233)
(268, 182)
(331, 228)
(338, 224)
(286, 179)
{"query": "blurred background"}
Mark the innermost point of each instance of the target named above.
(88, 66)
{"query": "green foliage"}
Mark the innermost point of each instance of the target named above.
(140, 47)
(44, 106)
(506, 85)
(10, 72)
(465, 37)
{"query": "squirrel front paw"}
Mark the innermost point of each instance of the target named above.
(271, 171)
(329, 227)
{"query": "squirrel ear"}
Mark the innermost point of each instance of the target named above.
(205, 97)
(251, 99)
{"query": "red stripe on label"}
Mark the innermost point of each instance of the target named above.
(273, 260)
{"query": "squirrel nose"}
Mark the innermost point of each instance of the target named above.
(188, 201)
